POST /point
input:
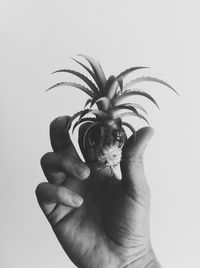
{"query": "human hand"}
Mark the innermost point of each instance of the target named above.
(109, 227)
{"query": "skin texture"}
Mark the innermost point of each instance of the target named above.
(100, 220)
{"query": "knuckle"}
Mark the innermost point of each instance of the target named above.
(64, 162)
(61, 193)
(81, 169)
(137, 159)
(77, 166)
(143, 194)
(73, 166)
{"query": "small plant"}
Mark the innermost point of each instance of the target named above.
(104, 132)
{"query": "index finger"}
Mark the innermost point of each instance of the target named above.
(60, 138)
(62, 144)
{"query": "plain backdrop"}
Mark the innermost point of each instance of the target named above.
(38, 37)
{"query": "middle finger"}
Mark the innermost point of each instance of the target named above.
(57, 167)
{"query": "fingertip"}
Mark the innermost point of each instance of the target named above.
(86, 173)
(83, 171)
(39, 190)
(145, 133)
(59, 135)
(134, 147)
(59, 123)
(77, 200)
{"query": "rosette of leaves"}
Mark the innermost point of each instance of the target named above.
(105, 112)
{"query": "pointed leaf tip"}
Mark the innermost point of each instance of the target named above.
(88, 70)
(123, 74)
(131, 93)
(82, 77)
(81, 87)
(130, 127)
(100, 77)
(148, 79)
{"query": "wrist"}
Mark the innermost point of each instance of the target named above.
(147, 261)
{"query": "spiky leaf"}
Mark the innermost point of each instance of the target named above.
(132, 114)
(120, 82)
(99, 114)
(111, 87)
(87, 102)
(86, 132)
(83, 120)
(71, 84)
(123, 74)
(116, 109)
(100, 76)
(122, 97)
(82, 77)
(81, 113)
(130, 127)
(147, 79)
(123, 115)
(84, 112)
(144, 118)
(137, 106)
(87, 69)
(94, 100)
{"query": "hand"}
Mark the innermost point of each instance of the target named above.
(100, 221)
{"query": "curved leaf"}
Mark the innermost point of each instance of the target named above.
(88, 102)
(86, 133)
(130, 127)
(124, 107)
(120, 98)
(87, 69)
(109, 82)
(82, 120)
(98, 113)
(103, 104)
(120, 82)
(74, 117)
(94, 100)
(81, 87)
(132, 114)
(135, 105)
(82, 77)
(123, 74)
(84, 112)
(111, 87)
(100, 76)
(126, 114)
(144, 118)
(147, 79)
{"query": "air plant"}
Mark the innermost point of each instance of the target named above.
(105, 126)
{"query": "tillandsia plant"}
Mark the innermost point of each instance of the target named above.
(104, 132)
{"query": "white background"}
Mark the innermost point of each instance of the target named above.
(38, 37)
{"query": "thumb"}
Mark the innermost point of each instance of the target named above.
(132, 168)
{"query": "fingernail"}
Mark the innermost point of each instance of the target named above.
(77, 200)
(83, 171)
